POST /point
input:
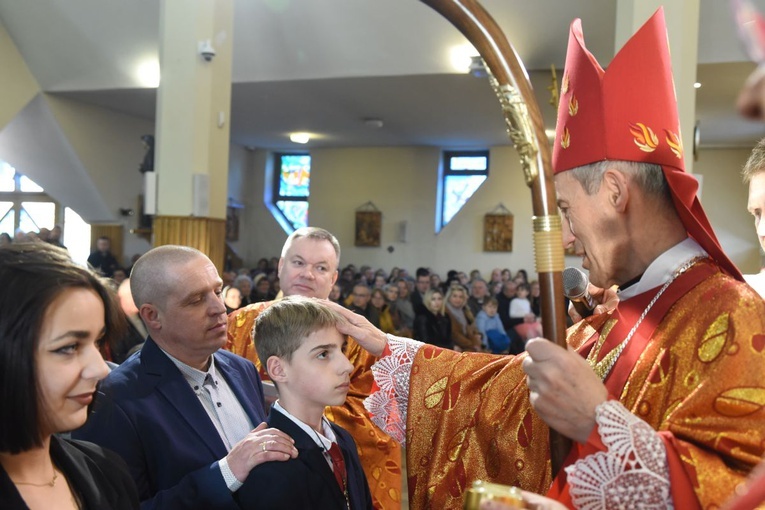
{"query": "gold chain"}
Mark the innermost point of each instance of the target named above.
(603, 367)
(46, 484)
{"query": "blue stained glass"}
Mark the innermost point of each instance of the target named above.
(296, 212)
(457, 190)
(295, 175)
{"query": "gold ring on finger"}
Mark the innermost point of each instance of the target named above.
(263, 444)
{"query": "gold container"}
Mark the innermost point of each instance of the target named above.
(485, 491)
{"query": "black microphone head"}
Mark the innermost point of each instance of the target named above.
(574, 282)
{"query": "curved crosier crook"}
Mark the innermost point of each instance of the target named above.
(525, 127)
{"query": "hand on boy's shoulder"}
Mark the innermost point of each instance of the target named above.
(261, 445)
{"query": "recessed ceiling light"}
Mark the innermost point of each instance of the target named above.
(697, 85)
(300, 137)
(147, 73)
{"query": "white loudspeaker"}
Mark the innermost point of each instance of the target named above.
(201, 195)
(150, 193)
(402, 231)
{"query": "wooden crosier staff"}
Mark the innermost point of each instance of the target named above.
(526, 130)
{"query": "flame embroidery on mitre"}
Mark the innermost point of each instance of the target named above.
(573, 106)
(645, 138)
(565, 138)
(564, 84)
(675, 143)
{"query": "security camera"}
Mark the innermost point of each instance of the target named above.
(206, 50)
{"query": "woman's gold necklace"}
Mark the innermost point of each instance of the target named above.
(52, 483)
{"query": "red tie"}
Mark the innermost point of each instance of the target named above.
(338, 465)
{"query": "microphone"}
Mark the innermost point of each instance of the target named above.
(575, 288)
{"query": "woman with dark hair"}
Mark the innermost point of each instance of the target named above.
(5, 239)
(54, 317)
(432, 326)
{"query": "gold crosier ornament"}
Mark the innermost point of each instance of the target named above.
(526, 130)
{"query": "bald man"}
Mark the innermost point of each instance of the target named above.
(187, 417)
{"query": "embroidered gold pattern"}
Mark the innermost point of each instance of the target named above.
(565, 139)
(645, 138)
(573, 106)
(435, 393)
(675, 143)
(714, 339)
(740, 401)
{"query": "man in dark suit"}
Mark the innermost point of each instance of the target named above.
(182, 413)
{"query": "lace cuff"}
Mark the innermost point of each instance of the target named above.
(633, 472)
(387, 404)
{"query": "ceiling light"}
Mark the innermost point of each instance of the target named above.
(147, 73)
(697, 85)
(461, 57)
(300, 137)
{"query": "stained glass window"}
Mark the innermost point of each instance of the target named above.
(461, 176)
(292, 189)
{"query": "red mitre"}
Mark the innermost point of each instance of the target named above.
(629, 113)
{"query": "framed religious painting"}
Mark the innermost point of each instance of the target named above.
(498, 232)
(368, 227)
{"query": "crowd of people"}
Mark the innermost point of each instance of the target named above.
(420, 304)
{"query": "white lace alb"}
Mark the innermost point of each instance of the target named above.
(633, 473)
(388, 406)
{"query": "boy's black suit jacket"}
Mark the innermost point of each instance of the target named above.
(307, 481)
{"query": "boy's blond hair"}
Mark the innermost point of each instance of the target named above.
(282, 327)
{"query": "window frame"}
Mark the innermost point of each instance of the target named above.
(275, 196)
(17, 197)
(446, 172)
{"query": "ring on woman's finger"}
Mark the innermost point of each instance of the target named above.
(263, 444)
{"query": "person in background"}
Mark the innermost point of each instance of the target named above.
(520, 309)
(432, 326)
(136, 332)
(261, 290)
(493, 333)
(244, 284)
(360, 303)
(464, 333)
(54, 316)
(479, 291)
(382, 308)
(535, 298)
(404, 305)
(232, 298)
(119, 276)
(754, 175)
(101, 259)
(421, 286)
(336, 294)
(5, 239)
(55, 237)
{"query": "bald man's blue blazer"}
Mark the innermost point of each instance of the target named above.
(147, 413)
